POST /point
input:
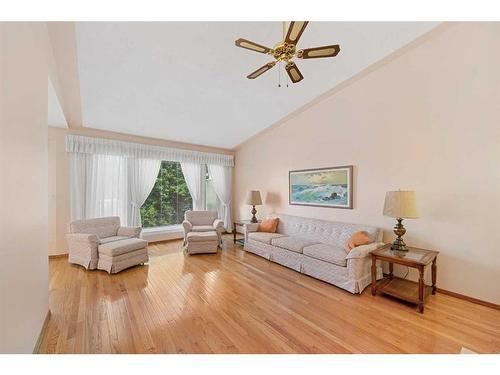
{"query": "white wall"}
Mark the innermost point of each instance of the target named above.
(23, 185)
(428, 120)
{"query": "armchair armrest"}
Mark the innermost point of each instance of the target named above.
(363, 250)
(129, 231)
(187, 226)
(218, 225)
(83, 249)
(82, 238)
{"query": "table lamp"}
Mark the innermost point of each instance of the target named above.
(253, 199)
(400, 205)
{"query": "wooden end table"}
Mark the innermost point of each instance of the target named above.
(240, 223)
(402, 288)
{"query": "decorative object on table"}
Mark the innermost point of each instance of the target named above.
(323, 187)
(400, 205)
(357, 239)
(401, 288)
(269, 225)
(254, 199)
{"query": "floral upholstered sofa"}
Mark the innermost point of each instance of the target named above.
(316, 248)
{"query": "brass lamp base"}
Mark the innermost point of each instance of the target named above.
(399, 231)
(254, 218)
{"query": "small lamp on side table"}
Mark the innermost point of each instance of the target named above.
(400, 205)
(254, 199)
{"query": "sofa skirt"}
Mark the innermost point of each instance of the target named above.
(354, 277)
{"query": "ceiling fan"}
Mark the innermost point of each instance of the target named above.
(286, 50)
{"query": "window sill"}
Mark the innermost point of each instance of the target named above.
(166, 229)
(170, 232)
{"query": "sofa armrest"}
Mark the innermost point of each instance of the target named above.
(218, 225)
(363, 250)
(129, 231)
(249, 228)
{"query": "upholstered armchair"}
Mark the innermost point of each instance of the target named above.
(202, 221)
(88, 239)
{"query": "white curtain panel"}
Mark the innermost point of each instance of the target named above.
(78, 163)
(99, 186)
(195, 180)
(142, 175)
(222, 183)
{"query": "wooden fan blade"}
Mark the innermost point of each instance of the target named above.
(317, 52)
(261, 70)
(295, 31)
(243, 43)
(294, 72)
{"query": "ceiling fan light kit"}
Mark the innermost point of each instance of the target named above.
(286, 50)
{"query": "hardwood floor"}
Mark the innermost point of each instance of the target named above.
(236, 302)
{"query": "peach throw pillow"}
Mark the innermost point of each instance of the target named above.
(268, 225)
(357, 239)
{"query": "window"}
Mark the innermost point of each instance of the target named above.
(211, 199)
(169, 198)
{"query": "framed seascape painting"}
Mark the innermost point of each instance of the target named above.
(324, 187)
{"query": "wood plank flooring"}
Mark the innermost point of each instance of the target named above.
(236, 302)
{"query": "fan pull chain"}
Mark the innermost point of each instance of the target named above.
(279, 74)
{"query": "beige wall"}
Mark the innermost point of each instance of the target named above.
(23, 185)
(427, 119)
(62, 185)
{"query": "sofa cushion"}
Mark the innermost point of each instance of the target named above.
(202, 236)
(327, 253)
(111, 239)
(264, 237)
(323, 231)
(123, 246)
(292, 243)
(202, 228)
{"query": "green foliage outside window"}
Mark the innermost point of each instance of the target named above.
(169, 198)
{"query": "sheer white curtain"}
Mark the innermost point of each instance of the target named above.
(222, 183)
(142, 174)
(195, 181)
(99, 186)
(78, 169)
(114, 178)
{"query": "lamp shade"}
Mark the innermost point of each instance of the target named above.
(400, 204)
(253, 198)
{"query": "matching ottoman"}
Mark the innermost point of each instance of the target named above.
(202, 242)
(117, 255)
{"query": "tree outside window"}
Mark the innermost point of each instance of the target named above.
(169, 198)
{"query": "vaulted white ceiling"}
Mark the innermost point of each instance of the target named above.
(185, 81)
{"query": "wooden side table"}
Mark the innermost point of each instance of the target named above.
(240, 223)
(402, 288)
